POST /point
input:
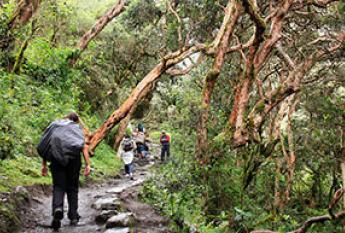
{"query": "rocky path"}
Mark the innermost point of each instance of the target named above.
(112, 207)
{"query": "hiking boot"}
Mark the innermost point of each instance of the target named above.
(74, 222)
(56, 223)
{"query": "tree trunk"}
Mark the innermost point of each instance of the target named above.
(24, 11)
(240, 136)
(122, 129)
(249, 74)
(233, 115)
(20, 55)
(291, 162)
(125, 121)
(229, 22)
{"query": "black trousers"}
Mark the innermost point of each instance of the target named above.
(66, 181)
(165, 150)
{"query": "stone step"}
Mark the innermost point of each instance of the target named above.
(120, 220)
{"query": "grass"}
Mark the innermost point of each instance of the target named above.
(26, 171)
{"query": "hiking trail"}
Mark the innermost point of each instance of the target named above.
(110, 207)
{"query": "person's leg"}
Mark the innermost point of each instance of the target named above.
(127, 169)
(59, 188)
(72, 188)
(168, 151)
(141, 149)
(162, 153)
(131, 170)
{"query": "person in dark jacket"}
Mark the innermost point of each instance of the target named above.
(65, 166)
(165, 142)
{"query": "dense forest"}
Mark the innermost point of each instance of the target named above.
(252, 93)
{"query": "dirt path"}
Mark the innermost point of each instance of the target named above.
(118, 197)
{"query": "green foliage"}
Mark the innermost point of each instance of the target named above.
(342, 7)
(142, 13)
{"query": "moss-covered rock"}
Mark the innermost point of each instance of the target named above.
(11, 205)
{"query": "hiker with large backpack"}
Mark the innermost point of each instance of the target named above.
(165, 142)
(61, 144)
(127, 155)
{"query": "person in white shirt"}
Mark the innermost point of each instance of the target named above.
(127, 154)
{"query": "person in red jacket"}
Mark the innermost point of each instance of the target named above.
(165, 142)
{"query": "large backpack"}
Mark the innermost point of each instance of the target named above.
(127, 144)
(164, 139)
(62, 140)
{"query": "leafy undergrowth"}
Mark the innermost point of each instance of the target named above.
(178, 193)
(210, 199)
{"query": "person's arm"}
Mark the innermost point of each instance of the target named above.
(87, 160)
(44, 169)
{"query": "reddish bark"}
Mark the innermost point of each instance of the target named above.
(249, 75)
(233, 115)
(122, 129)
(125, 121)
(240, 135)
(291, 159)
(221, 42)
(24, 11)
(275, 35)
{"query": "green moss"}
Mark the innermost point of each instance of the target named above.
(261, 106)
(211, 75)
(9, 221)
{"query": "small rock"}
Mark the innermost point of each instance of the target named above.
(118, 230)
(22, 193)
(120, 220)
(105, 215)
(116, 190)
(137, 182)
(107, 204)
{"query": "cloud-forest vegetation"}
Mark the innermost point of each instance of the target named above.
(251, 91)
